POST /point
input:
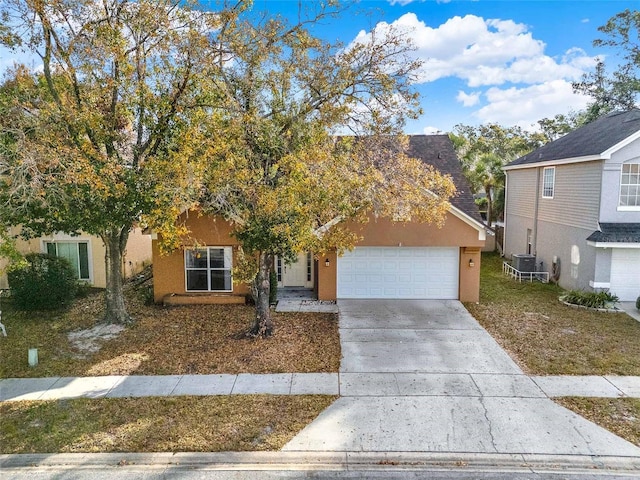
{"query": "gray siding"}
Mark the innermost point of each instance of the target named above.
(521, 195)
(520, 203)
(576, 198)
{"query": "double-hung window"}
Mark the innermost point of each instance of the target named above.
(630, 185)
(548, 181)
(208, 269)
(76, 252)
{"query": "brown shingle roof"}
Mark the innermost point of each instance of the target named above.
(438, 150)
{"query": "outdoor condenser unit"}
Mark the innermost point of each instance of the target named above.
(524, 262)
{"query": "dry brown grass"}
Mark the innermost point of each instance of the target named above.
(168, 340)
(191, 424)
(546, 337)
(618, 415)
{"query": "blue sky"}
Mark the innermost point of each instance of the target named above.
(502, 61)
(486, 61)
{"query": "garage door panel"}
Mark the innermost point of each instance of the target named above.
(625, 273)
(399, 272)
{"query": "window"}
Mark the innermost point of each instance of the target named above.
(548, 182)
(76, 252)
(208, 269)
(630, 185)
(309, 266)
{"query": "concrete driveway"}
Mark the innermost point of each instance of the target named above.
(424, 376)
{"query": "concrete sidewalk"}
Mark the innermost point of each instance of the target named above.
(344, 384)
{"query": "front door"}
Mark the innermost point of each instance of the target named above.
(296, 274)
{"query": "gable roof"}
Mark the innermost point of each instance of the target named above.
(590, 140)
(438, 151)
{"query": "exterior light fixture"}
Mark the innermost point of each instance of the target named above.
(471, 263)
(326, 262)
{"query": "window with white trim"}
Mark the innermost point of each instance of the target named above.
(630, 185)
(548, 181)
(77, 252)
(208, 269)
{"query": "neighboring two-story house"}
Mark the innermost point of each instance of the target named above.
(575, 203)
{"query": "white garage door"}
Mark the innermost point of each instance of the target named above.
(402, 272)
(625, 273)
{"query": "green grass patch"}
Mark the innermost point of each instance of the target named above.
(157, 424)
(546, 337)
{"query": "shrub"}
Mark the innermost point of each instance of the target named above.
(590, 299)
(638, 303)
(43, 282)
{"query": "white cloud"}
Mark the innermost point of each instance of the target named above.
(431, 131)
(525, 106)
(468, 99)
(485, 52)
(510, 78)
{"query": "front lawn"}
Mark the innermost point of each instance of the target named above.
(188, 424)
(167, 340)
(546, 337)
(618, 415)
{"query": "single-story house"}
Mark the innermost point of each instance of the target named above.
(392, 260)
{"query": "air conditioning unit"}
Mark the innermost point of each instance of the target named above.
(524, 262)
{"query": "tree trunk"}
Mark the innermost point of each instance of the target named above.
(262, 325)
(115, 243)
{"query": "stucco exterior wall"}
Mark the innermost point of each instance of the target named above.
(569, 244)
(137, 254)
(169, 274)
(382, 232)
(515, 234)
(168, 270)
(610, 196)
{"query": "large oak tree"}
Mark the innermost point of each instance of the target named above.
(102, 134)
(312, 139)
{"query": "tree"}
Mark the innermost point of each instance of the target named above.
(621, 90)
(561, 124)
(103, 135)
(484, 150)
(281, 176)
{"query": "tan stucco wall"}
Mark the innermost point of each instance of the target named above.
(168, 270)
(137, 254)
(169, 275)
(385, 233)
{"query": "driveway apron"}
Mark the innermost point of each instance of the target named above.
(424, 376)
